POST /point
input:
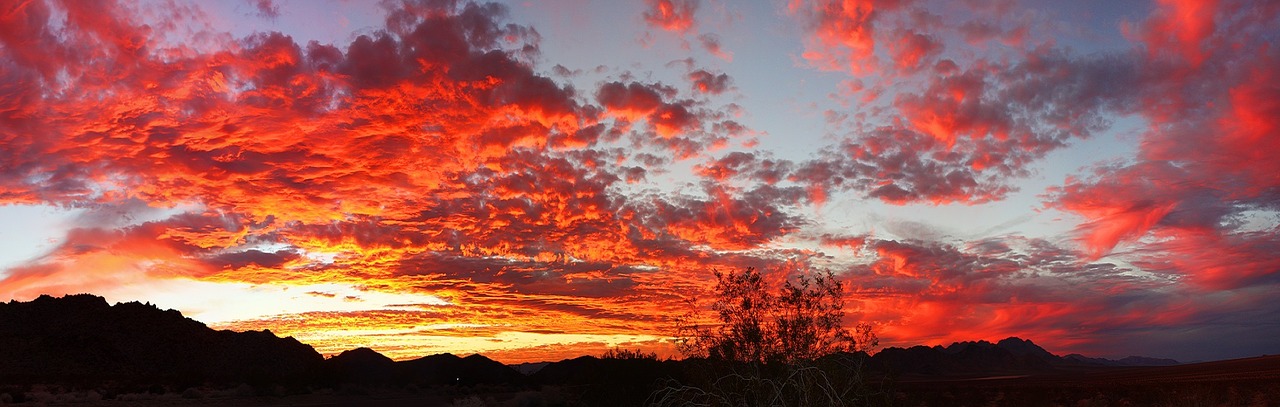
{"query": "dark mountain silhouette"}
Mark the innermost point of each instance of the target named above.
(361, 365)
(529, 368)
(590, 369)
(1008, 356)
(82, 338)
(607, 381)
(1146, 361)
(615, 381)
(450, 369)
(1076, 358)
(1011, 355)
(1024, 347)
(366, 366)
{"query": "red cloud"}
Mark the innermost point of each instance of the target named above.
(990, 118)
(671, 15)
(686, 127)
(727, 219)
(1212, 261)
(427, 158)
(267, 9)
(940, 294)
(711, 43)
(1180, 27)
(636, 101)
(936, 294)
(840, 28)
(954, 107)
(1250, 126)
(431, 157)
(710, 83)
(968, 134)
(913, 50)
(1202, 165)
(1122, 207)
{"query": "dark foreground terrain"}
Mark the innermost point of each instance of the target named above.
(1239, 382)
(79, 350)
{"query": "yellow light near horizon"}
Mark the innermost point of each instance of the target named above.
(504, 346)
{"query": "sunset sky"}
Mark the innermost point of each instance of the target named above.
(535, 180)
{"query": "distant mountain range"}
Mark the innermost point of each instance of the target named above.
(1010, 355)
(83, 339)
(1126, 361)
(364, 365)
(80, 338)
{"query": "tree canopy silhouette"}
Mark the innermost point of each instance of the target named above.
(802, 321)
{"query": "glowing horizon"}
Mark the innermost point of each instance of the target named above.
(540, 180)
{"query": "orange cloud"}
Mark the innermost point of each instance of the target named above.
(1180, 27)
(671, 15)
(427, 158)
(1200, 165)
(931, 293)
(844, 33)
(431, 158)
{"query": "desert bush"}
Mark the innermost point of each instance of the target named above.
(473, 401)
(627, 354)
(192, 393)
(761, 348)
(802, 322)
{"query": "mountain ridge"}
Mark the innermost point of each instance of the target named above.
(82, 337)
(93, 351)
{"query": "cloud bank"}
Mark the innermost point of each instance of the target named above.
(436, 156)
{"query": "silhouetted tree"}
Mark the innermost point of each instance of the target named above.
(788, 348)
(803, 321)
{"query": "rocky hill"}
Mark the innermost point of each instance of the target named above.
(1008, 356)
(82, 338)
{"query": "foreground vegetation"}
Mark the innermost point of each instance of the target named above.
(1248, 384)
(766, 348)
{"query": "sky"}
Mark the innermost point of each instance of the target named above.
(538, 180)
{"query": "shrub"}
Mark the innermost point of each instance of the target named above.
(761, 348)
(192, 393)
(627, 354)
(802, 322)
